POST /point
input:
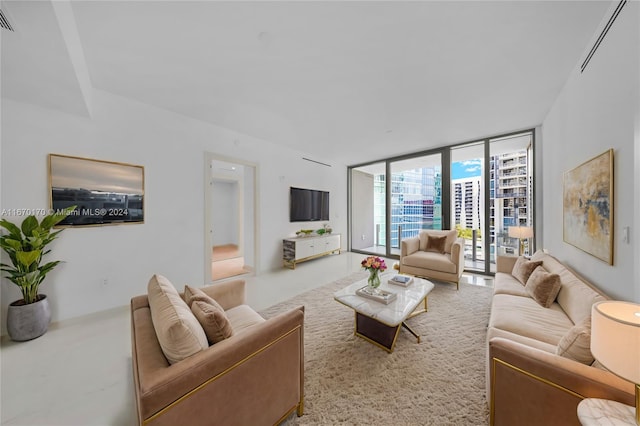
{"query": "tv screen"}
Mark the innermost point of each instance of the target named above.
(308, 205)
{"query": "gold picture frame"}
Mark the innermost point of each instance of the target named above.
(104, 192)
(587, 207)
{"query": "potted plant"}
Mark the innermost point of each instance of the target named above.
(29, 317)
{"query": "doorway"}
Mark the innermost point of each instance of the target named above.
(230, 242)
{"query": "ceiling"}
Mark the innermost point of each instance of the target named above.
(344, 81)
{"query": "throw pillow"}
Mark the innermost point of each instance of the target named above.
(192, 294)
(436, 244)
(213, 320)
(576, 344)
(523, 269)
(543, 286)
(178, 331)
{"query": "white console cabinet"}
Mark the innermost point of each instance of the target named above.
(296, 250)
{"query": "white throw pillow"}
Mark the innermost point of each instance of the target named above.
(179, 333)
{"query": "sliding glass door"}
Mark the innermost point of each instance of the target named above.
(468, 201)
(511, 208)
(411, 200)
(492, 207)
(416, 197)
(484, 189)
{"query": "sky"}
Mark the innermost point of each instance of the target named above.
(465, 169)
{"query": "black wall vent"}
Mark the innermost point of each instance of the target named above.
(317, 162)
(4, 22)
(602, 34)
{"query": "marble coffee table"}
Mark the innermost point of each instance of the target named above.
(378, 323)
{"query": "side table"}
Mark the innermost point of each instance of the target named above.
(604, 412)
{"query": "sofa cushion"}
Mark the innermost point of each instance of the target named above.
(543, 286)
(506, 284)
(543, 346)
(523, 268)
(450, 234)
(177, 329)
(436, 244)
(209, 314)
(423, 240)
(193, 294)
(243, 317)
(213, 320)
(576, 344)
(430, 260)
(525, 317)
(576, 297)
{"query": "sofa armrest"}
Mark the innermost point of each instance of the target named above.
(272, 350)
(457, 254)
(228, 294)
(532, 387)
(505, 264)
(409, 245)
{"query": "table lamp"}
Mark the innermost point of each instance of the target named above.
(615, 340)
(521, 233)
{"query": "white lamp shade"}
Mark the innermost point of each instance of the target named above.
(615, 337)
(520, 231)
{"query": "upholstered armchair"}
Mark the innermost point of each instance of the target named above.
(255, 376)
(434, 254)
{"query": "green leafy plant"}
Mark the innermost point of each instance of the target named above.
(466, 233)
(25, 246)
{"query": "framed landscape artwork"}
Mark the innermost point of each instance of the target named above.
(588, 207)
(104, 192)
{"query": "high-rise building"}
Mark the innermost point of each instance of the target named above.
(510, 186)
(416, 203)
(467, 208)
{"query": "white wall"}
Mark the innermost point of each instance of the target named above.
(225, 212)
(171, 147)
(598, 110)
(362, 217)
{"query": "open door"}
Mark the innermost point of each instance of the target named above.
(230, 218)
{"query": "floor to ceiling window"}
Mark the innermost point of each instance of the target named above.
(467, 201)
(416, 197)
(484, 189)
(511, 202)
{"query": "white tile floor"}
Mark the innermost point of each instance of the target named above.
(79, 372)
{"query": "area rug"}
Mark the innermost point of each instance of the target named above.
(439, 381)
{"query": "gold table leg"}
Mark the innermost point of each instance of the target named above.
(416, 335)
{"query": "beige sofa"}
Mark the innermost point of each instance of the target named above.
(533, 373)
(253, 377)
(421, 257)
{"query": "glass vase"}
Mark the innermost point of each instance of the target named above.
(374, 280)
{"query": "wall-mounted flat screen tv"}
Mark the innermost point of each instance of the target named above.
(104, 192)
(307, 205)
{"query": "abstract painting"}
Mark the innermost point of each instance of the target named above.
(588, 207)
